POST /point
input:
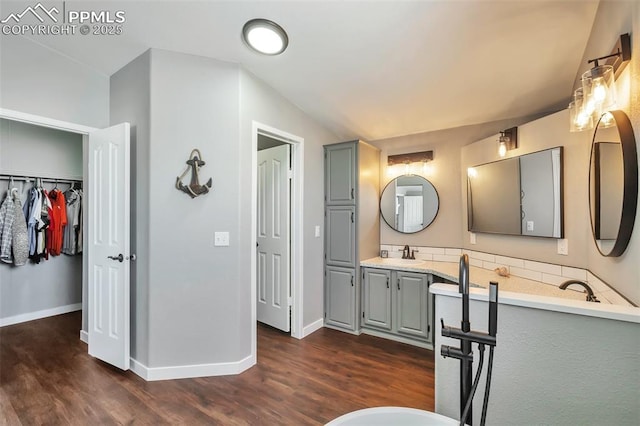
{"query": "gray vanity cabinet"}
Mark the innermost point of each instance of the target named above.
(397, 305)
(340, 173)
(352, 227)
(376, 298)
(340, 295)
(412, 309)
(341, 235)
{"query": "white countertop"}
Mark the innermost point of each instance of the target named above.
(513, 290)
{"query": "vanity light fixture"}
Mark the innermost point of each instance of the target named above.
(265, 36)
(507, 141)
(407, 159)
(598, 92)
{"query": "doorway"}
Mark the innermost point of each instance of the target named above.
(105, 275)
(266, 138)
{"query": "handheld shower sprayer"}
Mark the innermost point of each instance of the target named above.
(467, 337)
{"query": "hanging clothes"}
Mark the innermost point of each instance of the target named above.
(7, 217)
(58, 221)
(13, 230)
(73, 204)
(20, 239)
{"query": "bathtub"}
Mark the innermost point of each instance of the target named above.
(396, 416)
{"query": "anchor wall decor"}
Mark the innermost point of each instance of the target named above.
(194, 188)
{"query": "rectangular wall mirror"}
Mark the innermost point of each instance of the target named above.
(517, 196)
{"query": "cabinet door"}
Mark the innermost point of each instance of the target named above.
(411, 304)
(376, 298)
(340, 174)
(340, 244)
(340, 297)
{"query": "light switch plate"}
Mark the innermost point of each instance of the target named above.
(563, 246)
(221, 239)
(529, 225)
(317, 231)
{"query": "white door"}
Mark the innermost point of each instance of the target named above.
(107, 192)
(273, 237)
(413, 213)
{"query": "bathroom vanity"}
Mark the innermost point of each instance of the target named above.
(395, 300)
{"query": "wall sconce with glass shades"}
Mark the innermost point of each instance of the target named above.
(507, 141)
(407, 164)
(598, 92)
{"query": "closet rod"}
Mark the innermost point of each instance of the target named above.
(22, 178)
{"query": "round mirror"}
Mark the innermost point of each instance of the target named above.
(409, 203)
(613, 183)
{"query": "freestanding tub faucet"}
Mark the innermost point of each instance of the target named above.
(590, 296)
(467, 336)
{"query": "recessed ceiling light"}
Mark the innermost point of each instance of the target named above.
(265, 36)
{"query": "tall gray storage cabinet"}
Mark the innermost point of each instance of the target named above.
(352, 227)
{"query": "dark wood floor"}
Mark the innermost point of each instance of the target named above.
(46, 377)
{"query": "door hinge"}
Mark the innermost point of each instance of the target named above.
(290, 301)
(362, 314)
(290, 174)
(325, 315)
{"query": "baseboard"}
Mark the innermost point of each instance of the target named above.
(191, 371)
(344, 330)
(397, 338)
(84, 336)
(314, 326)
(30, 316)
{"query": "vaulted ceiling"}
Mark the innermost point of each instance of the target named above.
(372, 69)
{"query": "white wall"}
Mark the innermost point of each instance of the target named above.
(261, 103)
(612, 19)
(130, 101)
(37, 80)
(55, 283)
(549, 368)
(445, 230)
(544, 133)
(195, 290)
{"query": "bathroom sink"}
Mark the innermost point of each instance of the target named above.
(394, 261)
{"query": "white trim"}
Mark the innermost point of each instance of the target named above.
(84, 336)
(191, 371)
(45, 122)
(30, 316)
(297, 227)
(313, 327)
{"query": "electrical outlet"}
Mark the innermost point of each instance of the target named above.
(472, 237)
(221, 239)
(563, 246)
(529, 225)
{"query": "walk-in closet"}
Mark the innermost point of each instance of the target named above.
(41, 171)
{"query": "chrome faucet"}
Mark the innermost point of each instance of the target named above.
(590, 296)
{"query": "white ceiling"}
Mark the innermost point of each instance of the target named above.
(372, 69)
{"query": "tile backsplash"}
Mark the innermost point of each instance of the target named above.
(546, 273)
